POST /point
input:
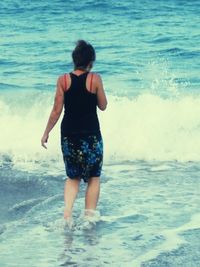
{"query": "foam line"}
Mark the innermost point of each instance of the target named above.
(172, 241)
(147, 127)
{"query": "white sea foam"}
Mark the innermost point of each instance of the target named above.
(172, 240)
(150, 127)
(147, 127)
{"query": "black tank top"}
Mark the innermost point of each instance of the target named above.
(80, 115)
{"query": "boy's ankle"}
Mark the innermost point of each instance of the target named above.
(67, 213)
(89, 212)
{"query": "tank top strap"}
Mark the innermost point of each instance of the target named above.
(65, 81)
(91, 82)
(79, 80)
(80, 75)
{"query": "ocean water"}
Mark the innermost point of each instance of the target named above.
(149, 58)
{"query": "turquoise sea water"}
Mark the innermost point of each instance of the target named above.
(148, 53)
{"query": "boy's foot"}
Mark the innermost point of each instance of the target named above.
(68, 218)
(67, 213)
(89, 212)
(91, 215)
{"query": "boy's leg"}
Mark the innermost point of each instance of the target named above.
(70, 192)
(92, 193)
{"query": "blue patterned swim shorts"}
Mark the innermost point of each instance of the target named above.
(82, 155)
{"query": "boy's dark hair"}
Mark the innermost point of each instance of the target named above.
(83, 54)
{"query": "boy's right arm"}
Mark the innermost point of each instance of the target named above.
(101, 96)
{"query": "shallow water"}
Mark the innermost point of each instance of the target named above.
(149, 217)
(148, 56)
